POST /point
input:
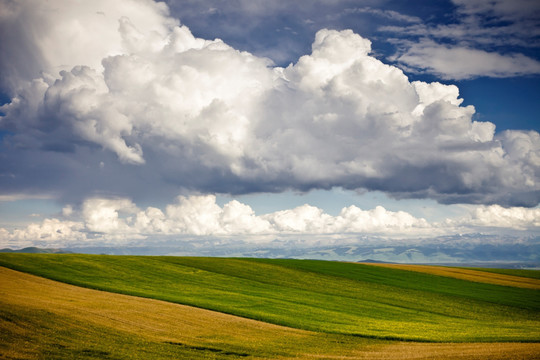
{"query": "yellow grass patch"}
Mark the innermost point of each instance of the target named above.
(468, 274)
(215, 335)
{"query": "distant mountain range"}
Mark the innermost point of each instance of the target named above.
(459, 250)
(36, 250)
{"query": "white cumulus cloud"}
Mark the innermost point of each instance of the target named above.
(119, 221)
(103, 215)
(58, 35)
(152, 109)
(49, 231)
(499, 217)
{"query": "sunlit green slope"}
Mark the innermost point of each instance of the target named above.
(324, 296)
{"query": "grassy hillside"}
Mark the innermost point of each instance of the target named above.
(516, 272)
(44, 319)
(341, 298)
(40, 318)
(513, 278)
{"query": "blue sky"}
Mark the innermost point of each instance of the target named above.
(130, 121)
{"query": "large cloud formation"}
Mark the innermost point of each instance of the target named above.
(144, 108)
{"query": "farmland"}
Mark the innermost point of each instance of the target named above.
(306, 307)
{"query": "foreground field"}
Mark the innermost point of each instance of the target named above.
(44, 319)
(339, 298)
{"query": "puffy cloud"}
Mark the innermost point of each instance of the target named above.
(496, 216)
(50, 231)
(154, 109)
(303, 219)
(200, 215)
(380, 220)
(364, 123)
(240, 218)
(120, 221)
(50, 36)
(103, 215)
(312, 220)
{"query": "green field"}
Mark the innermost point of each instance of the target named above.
(331, 297)
(46, 319)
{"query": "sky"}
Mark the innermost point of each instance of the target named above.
(129, 121)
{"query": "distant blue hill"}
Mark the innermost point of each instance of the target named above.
(36, 250)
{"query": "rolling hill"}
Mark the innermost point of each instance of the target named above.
(44, 319)
(366, 301)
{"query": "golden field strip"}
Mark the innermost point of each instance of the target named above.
(91, 324)
(468, 274)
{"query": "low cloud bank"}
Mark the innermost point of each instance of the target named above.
(120, 221)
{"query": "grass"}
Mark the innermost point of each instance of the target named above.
(517, 272)
(331, 297)
(44, 319)
(514, 278)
